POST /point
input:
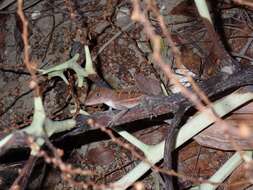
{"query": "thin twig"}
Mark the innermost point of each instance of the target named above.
(31, 67)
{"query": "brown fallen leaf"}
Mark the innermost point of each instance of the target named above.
(100, 155)
(237, 180)
(247, 109)
(185, 8)
(196, 161)
(191, 60)
(153, 137)
(147, 85)
(240, 122)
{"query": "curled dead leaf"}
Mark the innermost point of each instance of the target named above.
(100, 155)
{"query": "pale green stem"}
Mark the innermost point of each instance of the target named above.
(58, 74)
(203, 120)
(88, 66)
(42, 126)
(153, 156)
(72, 64)
(196, 124)
(61, 67)
(132, 139)
(223, 172)
(203, 9)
